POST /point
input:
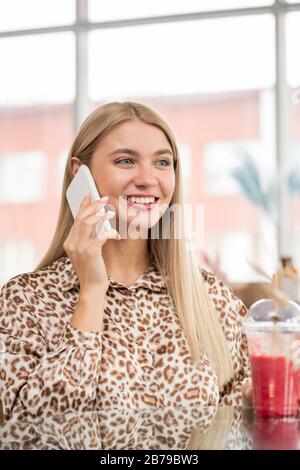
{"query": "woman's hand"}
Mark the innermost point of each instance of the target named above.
(85, 252)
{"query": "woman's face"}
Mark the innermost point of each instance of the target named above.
(144, 168)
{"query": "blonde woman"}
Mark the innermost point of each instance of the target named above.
(120, 321)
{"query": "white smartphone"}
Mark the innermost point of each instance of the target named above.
(82, 184)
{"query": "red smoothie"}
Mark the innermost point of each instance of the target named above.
(275, 386)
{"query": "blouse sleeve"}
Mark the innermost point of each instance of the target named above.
(232, 391)
(34, 378)
(230, 310)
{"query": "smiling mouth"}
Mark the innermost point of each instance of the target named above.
(155, 199)
(142, 205)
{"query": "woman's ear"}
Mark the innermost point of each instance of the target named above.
(75, 164)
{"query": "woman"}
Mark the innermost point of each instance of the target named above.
(120, 320)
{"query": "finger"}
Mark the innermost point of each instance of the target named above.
(111, 234)
(92, 208)
(96, 244)
(84, 229)
(84, 204)
(96, 218)
(85, 201)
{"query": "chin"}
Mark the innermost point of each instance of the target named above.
(140, 229)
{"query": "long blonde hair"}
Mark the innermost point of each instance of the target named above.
(216, 435)
(177, 265)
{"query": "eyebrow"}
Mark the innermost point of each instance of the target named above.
(136, 154)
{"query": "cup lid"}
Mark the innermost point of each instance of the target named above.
(264, 314)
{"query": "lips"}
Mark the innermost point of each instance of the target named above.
(142, 206)
(140, 196)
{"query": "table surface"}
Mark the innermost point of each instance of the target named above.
(213, 428)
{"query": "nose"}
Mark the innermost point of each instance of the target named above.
(145, 175)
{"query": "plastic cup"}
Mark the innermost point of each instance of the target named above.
(274, 350)
(275, 434)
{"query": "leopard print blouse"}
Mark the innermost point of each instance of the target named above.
(208, 428)
(141, 358)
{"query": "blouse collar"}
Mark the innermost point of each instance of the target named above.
(150, 279)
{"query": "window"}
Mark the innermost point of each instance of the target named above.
(209, 72)
(37, 91)
(120, 9)
(37, 69)
(222, 159)
(182, 58)
(17, 14)
(23, 177)
(218, 96)
(292, 169)
(16, 256)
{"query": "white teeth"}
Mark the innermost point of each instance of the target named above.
(141, 200)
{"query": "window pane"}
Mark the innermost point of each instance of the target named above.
(16, 256)
(36, 122)
(22, 176)
(20, 14)
(293, 38)
(120, 9)
(293, 160)
(37, 69)
(182, 58)
(217, 94)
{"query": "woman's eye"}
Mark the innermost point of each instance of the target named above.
(167, 162)
(123, 159)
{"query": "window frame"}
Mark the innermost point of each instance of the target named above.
(279, 9)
